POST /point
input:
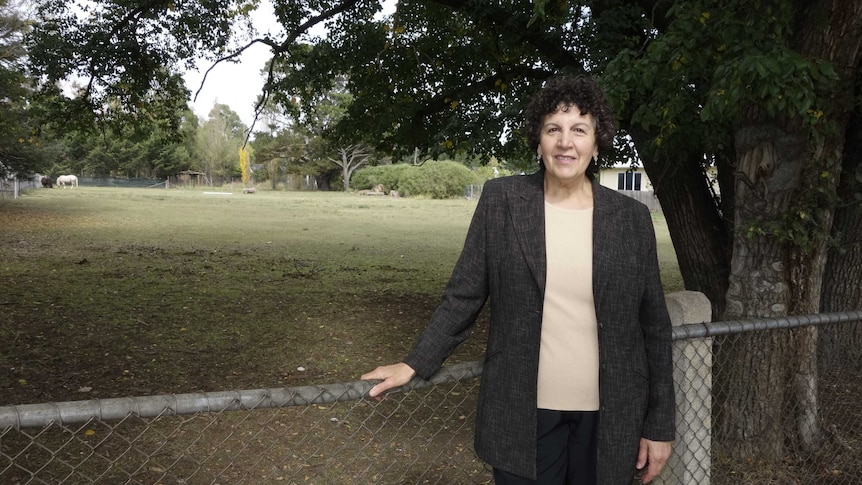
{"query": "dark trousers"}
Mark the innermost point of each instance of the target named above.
(565, 450)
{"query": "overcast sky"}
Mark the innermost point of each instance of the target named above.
(235, 84)
(238, 85)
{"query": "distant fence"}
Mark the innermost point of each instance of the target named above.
(472, 192)
(10, 188)
(7, 186)
(646, 197)
(330, 434)
(287, 182)
(121, 182)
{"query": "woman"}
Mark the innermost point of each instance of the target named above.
(577, 381)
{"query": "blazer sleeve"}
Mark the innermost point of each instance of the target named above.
(463, 298)
(658, 334)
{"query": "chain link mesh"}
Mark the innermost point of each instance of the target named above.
(331, 434)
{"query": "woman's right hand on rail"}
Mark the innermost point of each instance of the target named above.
(395, 375)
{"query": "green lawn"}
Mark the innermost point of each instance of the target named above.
(109, 292)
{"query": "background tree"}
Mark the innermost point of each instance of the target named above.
(350, 159)
(146, 152)
(266, 148)
(130, 55)
(19, 145)
(219, 138)
(317, 116)
(245, 165)
(286, 150)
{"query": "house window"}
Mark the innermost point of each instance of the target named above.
(629, 181)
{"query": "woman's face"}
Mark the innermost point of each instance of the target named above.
(567, 143)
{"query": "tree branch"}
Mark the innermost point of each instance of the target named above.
(284, 46)
(534, 35)
(441, 101)
(123, 22)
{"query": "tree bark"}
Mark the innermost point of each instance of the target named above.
(751, 370)
(272, 171)
(830, 30)
(841, 288)
(773, 274)
(700, 234)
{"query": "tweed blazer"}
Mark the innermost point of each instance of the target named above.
(504, 260)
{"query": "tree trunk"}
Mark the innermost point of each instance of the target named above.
(751, 370)
(773, 274)
(345, 176)
(842, 43)
(700, 236)
(841, 289)
(323, 182)
(272, 171)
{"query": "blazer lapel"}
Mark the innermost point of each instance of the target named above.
(605, 214)
(527, 210)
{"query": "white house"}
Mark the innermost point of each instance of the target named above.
(622, 177)
(636, 184)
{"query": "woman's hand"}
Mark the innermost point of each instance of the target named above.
(653, 455)
(395, 375)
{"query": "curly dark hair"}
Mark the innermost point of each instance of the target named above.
(581, 91)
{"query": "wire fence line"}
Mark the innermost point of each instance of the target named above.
(74, 412)
(10, 188)
(330, 434)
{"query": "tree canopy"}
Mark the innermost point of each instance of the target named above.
(17, 133)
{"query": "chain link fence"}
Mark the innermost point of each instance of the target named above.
(331, 434)
(11, 188)
(472, 192)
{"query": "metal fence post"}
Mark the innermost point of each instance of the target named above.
(691, 460)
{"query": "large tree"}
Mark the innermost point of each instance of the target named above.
(766, 91)
(767, 99)
(312, 123)
(219, 138)
(18, 152)
(350, 158)
(147, 151)
(294, 147)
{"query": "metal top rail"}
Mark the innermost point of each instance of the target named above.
(114, 409)
(712, 329)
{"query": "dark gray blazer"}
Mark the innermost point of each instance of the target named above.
(504, 259)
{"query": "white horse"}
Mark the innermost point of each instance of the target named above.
(72, 180)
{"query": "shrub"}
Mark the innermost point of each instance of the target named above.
(486, 172)
(388, 175)
(437, 179)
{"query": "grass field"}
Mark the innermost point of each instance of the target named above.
(112, 292)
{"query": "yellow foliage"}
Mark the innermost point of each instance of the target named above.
(244, 166)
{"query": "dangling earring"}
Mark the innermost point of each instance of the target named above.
(539, 158)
